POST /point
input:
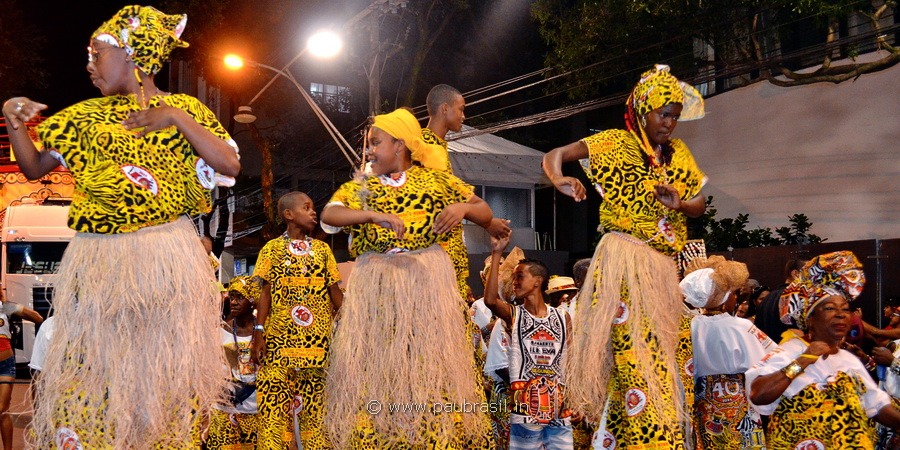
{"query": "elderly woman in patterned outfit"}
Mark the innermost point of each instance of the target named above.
(121, 372)
(819, 395)
(625, 365)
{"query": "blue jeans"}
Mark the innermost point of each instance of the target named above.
(529, 436)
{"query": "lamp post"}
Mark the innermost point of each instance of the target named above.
(322, 44)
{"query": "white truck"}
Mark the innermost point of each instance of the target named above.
(33, 240)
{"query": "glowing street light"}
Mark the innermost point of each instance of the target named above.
(324, 44)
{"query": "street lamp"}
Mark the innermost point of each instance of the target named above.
(322, 44)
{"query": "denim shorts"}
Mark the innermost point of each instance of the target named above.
(536, 437)
(8, 367)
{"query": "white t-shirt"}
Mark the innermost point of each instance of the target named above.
(7, 309)
(498, 351)
(481, 313)
(724, 344)
(819, 373)
(42, 343)
(241, 369)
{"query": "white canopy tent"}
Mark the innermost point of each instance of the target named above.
(490, 160)
(508, 174)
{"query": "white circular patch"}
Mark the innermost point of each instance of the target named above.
(206, 174)
(393, 180)
(67, 439)
(810, 444)
(299, 247)
(141, 177)
(607, 441)
(621, 314)
(689, 367)
(666, 230)
(302, 316)
(297, 405)
(232, 418)
(635, 401)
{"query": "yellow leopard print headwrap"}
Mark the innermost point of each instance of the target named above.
(247, 286)
(146, 33)
(657, 88)
(401, 124)
(838, 273)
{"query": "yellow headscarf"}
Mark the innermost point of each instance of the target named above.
(246, 286)
(146, 33)
(657, 88)
(401, 124)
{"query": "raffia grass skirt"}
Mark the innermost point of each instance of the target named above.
(136, 346)
(402, 340)
(624, 269)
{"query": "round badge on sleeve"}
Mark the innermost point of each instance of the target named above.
(206, 174)
(67, 439)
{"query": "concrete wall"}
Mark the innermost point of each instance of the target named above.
(829, 151)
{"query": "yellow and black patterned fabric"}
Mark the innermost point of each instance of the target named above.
(430, 138)
(147, 34)
(126, 182)
(298, 328)
(455, 245)
(823, 418)
(416, 195)
(626, 182)
(284, 393)
(232, 431)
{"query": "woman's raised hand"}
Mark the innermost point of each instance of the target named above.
(19, 110)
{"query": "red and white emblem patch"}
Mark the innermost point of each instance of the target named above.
(301, 315)
(67, 439)
(666, 229)
(621, 314)
(810, 444)
(206, 174)
(607, 441)
(141, 177)
(635, 401)
(299, 247)
(689, 367)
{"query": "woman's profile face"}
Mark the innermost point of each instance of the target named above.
(109, 68)
(661, 123)
(831, 320)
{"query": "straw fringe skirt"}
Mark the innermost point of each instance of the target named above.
(401, 352)
(626, 336)
(136, 347)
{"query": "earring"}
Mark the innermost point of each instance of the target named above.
(644, 121)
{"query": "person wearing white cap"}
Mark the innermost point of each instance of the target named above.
(724, 348)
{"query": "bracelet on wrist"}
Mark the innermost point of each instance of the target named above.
(792, 370)
(259, 327)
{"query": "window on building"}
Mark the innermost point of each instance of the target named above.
(331, 97)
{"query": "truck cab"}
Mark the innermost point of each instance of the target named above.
(34, 239)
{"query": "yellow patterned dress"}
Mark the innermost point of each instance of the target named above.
(828, 406)
(291, 378)
(633, 417)
(402, 341)
(135, 259)
(456, 243)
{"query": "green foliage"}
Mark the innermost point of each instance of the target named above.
(609, 42)
(730, 233)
